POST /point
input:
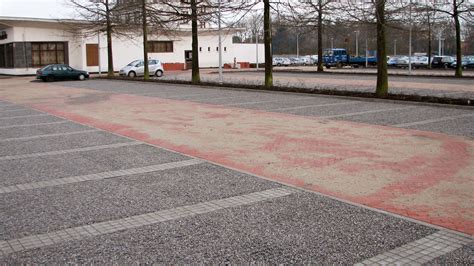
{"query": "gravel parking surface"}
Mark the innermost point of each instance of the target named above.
(6, 133)
(54, 208)
(5, 113)
(28, 120)
(301, 228)
(82, 163)
(60, 143)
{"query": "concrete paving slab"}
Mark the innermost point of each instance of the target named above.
(54, 208)
(300, 228)
(82, 163)
(59, 143)
(461, 256)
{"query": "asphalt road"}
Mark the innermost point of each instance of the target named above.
(58, 174)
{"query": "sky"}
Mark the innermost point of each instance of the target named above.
(35, 8)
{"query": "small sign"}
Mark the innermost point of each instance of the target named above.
(3, 35)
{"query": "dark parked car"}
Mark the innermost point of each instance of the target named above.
(467, 62)
(60, 72)
(442, 62)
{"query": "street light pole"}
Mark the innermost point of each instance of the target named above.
(297, 45)
(366, 52)
(220, 43)
(409, 44)
(357, 43)
(98, 52)
(97, 4)
(332, 43)
(256, 46)
(395, 48)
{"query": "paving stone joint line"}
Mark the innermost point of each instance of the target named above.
(98, 176)
(50, 135)
(422, 250)
(58, 152)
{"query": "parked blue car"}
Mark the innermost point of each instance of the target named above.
(60, 72)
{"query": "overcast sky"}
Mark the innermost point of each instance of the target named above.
(35, 8)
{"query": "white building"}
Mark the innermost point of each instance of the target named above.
(26, 44)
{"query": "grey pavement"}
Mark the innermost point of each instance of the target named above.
(129, 202)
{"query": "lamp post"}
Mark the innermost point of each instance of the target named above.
(256, 46)
(395, 48)
(409, 43)
(366, 51)
(220, 42)
(357, 43)
(97, 4)
(332, 43)
(297, 45)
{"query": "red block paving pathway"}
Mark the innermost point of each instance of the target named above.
(422, 175)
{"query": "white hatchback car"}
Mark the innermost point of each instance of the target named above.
(137, 68)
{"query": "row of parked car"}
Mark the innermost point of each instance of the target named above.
(395, 61)
(436, 62)
(64, 72)
(295, 61)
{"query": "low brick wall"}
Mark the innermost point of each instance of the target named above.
(173, 66)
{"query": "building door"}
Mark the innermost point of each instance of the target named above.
(188, 58)
(92, 54)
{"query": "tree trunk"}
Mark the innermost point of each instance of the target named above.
(458, 72)
(196, 78)
(110, 59)
(382, 77)
(146, 71)
(268, 44)
(320, 37)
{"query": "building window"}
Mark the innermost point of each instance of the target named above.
(208, 49)
(2, 56)
(225, 49)
(217, 49)
(160, 46)
(200, 49)
(46, 53)
(6, 55)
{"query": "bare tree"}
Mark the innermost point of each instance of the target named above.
(382, 75)
(100, 16)
(267, 38)
(200, 13)
(380, 13)
(458, 10)
(312, 13)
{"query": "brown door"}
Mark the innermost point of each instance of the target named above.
(188, 58)
(92, 54)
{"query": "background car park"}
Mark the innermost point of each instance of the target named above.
(281, 61)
